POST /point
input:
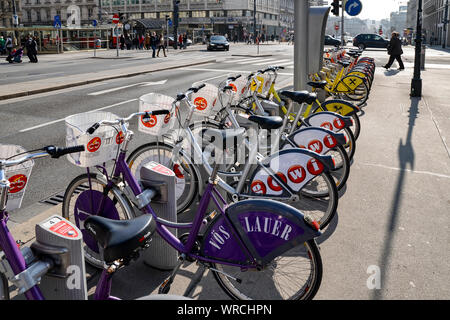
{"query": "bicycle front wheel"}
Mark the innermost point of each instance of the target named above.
(87, 195)
(294, 275)
(187, 183)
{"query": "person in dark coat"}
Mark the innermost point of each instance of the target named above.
(395, 51)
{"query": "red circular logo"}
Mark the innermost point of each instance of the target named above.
(120, 138)
(149, 123)
(273, 184)
(314, 167)
(338, 123)
(200, 103)
(327, 125)
(258, 187)
(94, 144)
(296, 174)
(233, 86)
(17, 183)
(329, 141)
(315, 146)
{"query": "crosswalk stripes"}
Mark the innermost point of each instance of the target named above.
(287, 63)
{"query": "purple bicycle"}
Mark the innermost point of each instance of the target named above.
(256, 249)
(51, 267)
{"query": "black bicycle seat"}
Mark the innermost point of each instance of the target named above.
(267, 122)
(227, 136)
(119, 239)
(300, 96)
(345, 64)
(318, 84)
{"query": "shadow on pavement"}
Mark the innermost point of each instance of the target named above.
(406, 158)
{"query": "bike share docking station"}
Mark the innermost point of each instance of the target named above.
(160, 254)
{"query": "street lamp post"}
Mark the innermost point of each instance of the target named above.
(444, 31)
(416, 83)
(254, 20)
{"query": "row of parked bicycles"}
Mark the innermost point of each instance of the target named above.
(271, 163)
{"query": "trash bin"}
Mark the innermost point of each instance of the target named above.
(422, 57)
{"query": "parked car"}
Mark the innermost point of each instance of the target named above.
(330, 41)
(366, 40)
(218, 43)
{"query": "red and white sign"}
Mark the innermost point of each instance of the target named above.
(258, 187)
(64, 229)
(159, 168)
(115, 18)
(201, 103)
(94, 144)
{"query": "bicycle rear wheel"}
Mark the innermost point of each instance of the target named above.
(294, 275)
(87, 195)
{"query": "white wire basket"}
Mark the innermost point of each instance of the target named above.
(206, 100)
(100, 147)
(160, 124)
(263, 85)
(240, 88)
(18, 175)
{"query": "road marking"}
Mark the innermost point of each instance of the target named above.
(225, 70)
(254, 60)
(407, 170)
(266, 61)
(230, 60)
(286, 63)
(142, 84)
(59, 120)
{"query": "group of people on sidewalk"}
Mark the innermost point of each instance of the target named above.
(15, 53)
(150, 41)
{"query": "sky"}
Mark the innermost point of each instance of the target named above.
(378, 9)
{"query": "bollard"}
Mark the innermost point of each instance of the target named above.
(160, 254)
(422, 57)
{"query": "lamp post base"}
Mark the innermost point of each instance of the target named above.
(416, 87)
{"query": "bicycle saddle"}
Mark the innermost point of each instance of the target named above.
(267, 122)
(227, 136)
(318, 84)
(345, 64)
(300, 96)
(119, 239)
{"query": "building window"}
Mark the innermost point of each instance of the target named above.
(198, 14)
(150, 15)
(217, 13)
(184, 14)
(234, 13)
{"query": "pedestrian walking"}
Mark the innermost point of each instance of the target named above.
(147, 41)
(9, 44)
(395, 51)
(154, 42)
(29, 47)
(2, 45)
(122, 42)
(185, 38)
(161, 45)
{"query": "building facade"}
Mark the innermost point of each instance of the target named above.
(6, 12)
(433, 18)
(398, 20)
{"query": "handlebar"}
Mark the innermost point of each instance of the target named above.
(146, 115)
(54, 152)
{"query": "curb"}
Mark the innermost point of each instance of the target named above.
(84, 82)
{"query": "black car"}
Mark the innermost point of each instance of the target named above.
(218, 43)
(330, 41)
(366, 40)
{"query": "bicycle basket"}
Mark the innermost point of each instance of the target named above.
(100, 147)
(17, 175)
(240, 89)
(264, 82)
(206, 100)
(160, 124)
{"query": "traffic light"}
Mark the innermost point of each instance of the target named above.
(335, 7)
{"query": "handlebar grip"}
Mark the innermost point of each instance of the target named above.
(234, 78)
(227, 88)
(180, 97)
(280, 67)
(92, 129)
(195, 89)
(160, 112)
(56, 152)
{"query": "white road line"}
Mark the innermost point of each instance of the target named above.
(249, 61)
(59, 120)
(230, 71)
(265, 62)
(144, 84)
(231, 60)
(285, 63)
(407, 170)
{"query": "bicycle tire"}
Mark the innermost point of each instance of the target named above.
(181, 165)
(89, 182)
(4, 288)
(341, 172)
(267, 278)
